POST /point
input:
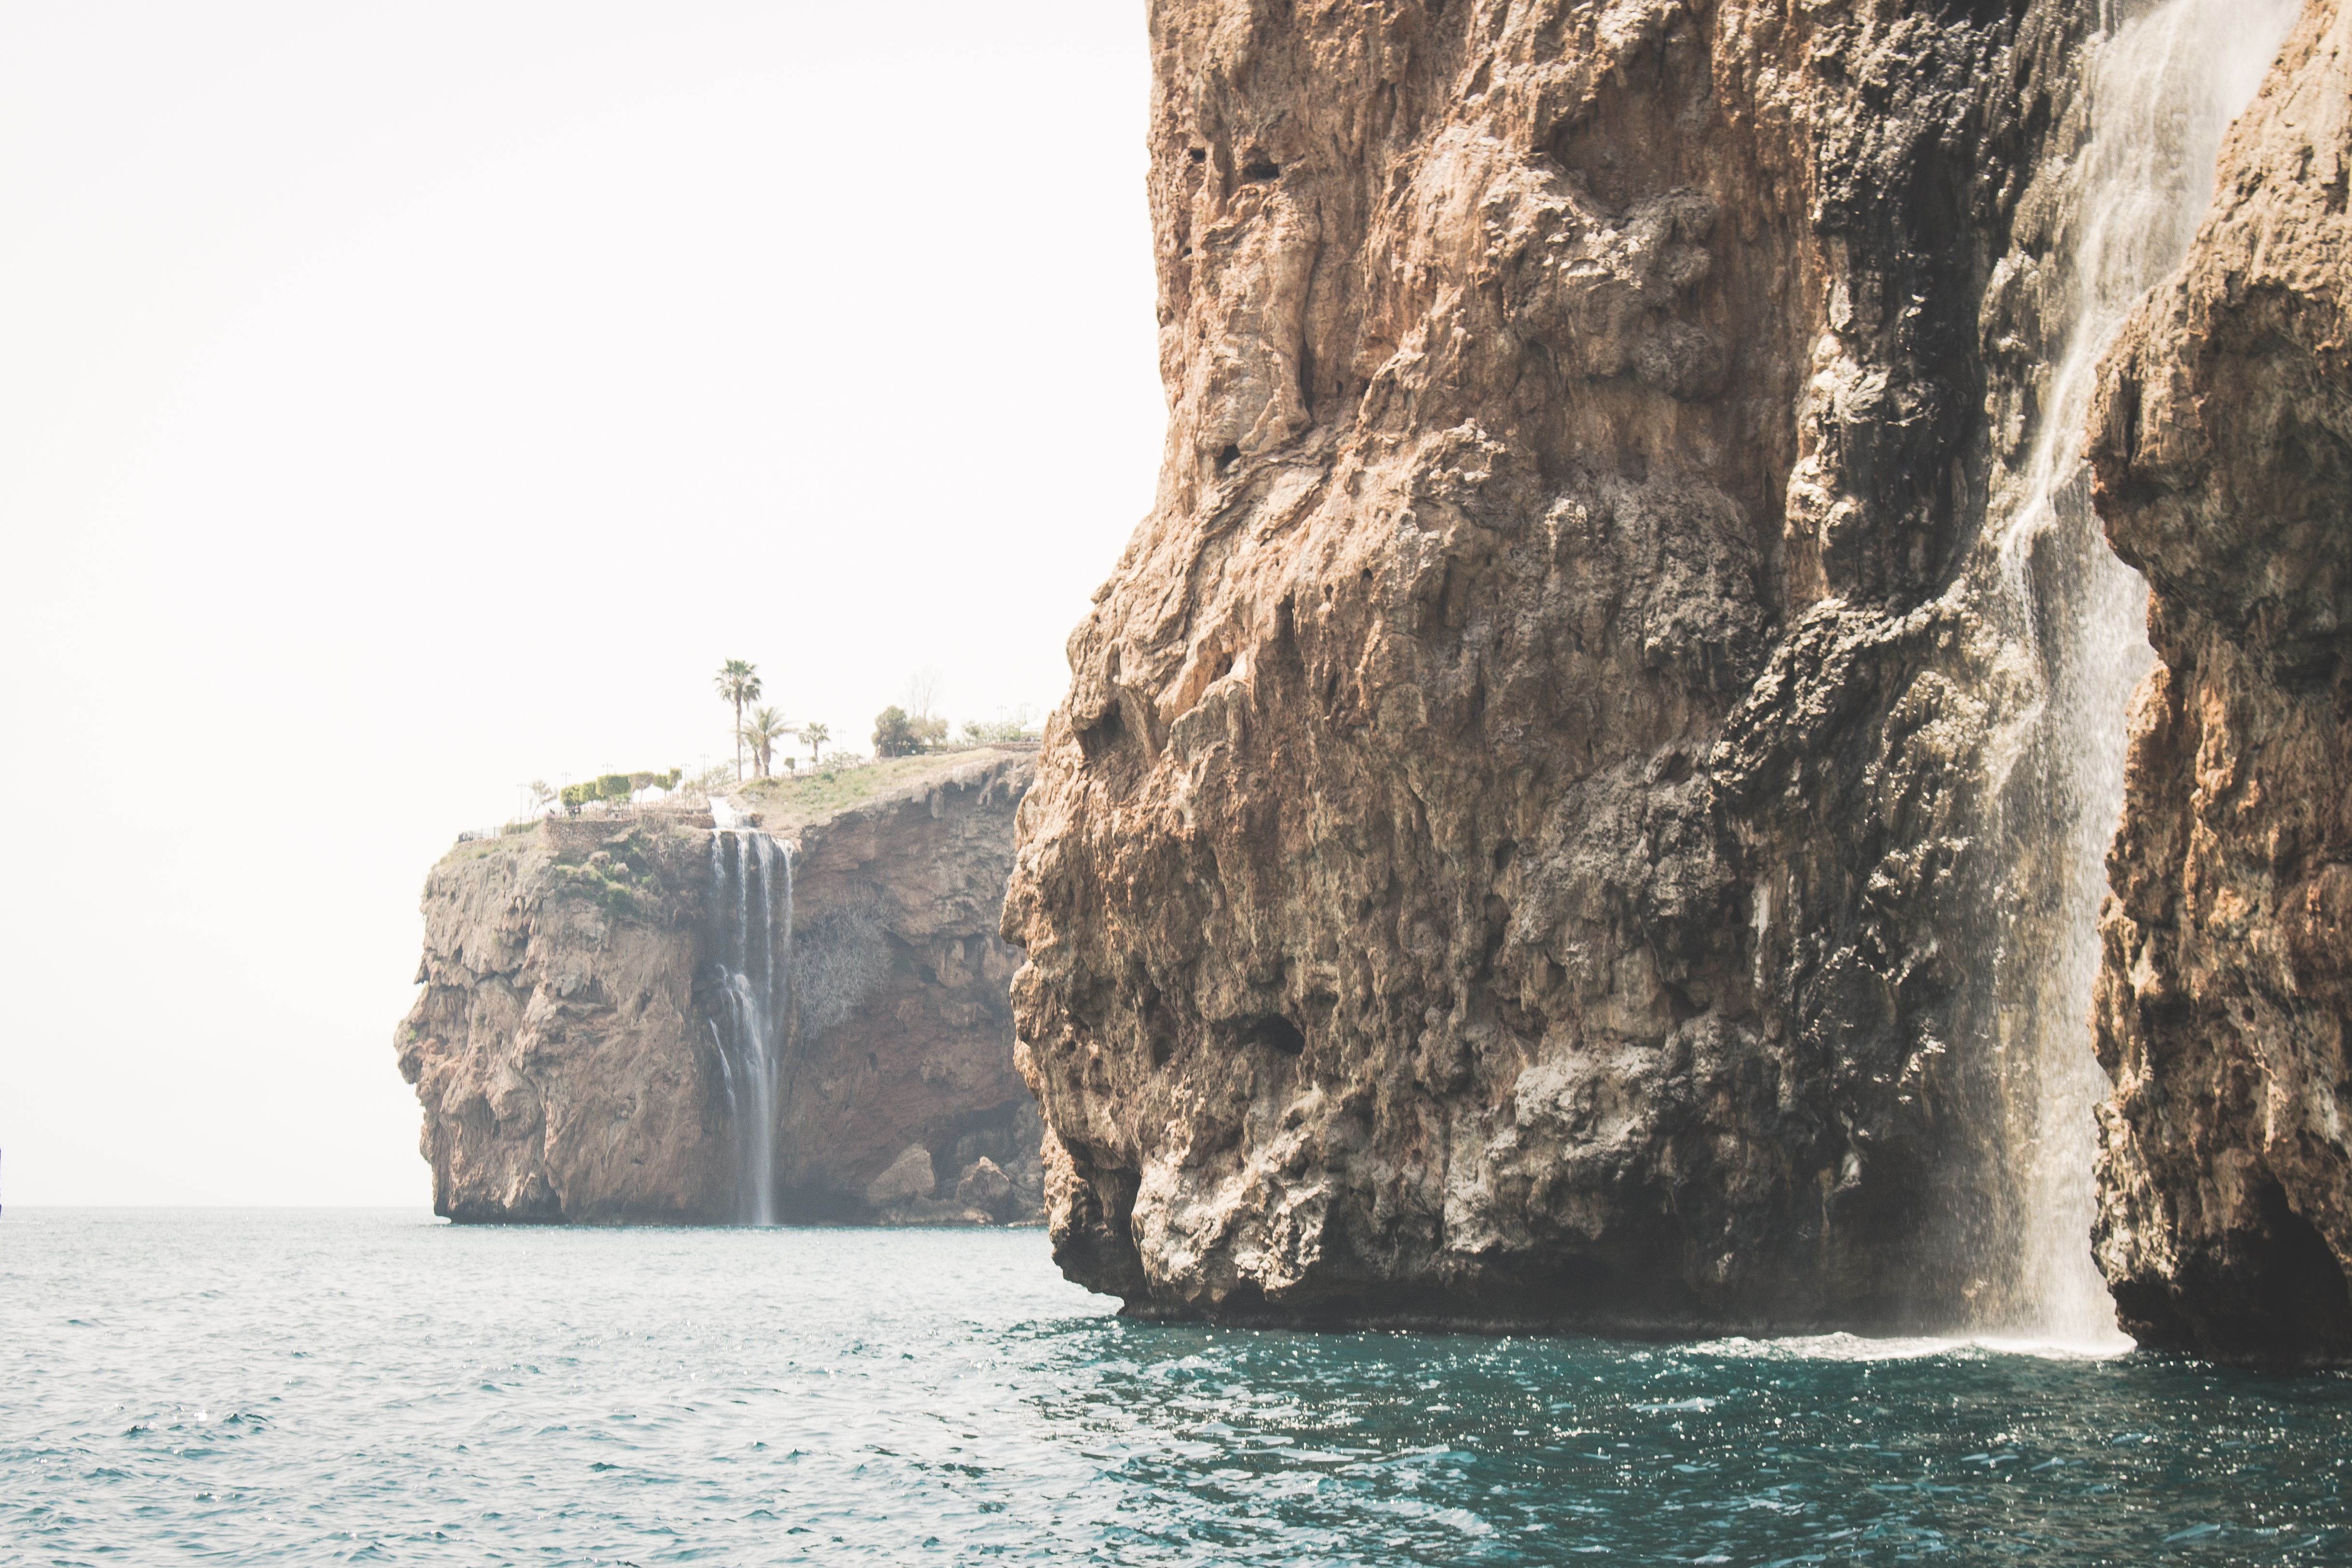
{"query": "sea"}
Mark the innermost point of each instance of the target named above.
(318, 1386)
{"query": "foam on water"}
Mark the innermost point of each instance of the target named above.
(322, 1388)
(1911, 1347)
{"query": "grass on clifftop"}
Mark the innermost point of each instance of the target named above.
(475, 849)
(785, 803)
(790, 802)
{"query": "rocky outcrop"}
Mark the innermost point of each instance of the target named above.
(2223, 452)
(563, 1049)
(1508, 853)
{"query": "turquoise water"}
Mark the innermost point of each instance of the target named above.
(333, 1386)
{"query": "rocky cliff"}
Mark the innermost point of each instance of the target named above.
(565, 1048)
(2223, 452)
(1548, 826)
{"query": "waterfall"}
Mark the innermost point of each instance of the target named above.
(2162, 88)
(750, 873)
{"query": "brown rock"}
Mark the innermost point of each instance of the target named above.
(1501, 858)
(909, 1175)
(983, 1185)
(2223, 452)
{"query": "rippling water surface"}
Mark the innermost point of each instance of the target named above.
(376, 1387)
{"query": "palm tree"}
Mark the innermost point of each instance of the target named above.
(816, 735)
(739, 683)
(761, 732)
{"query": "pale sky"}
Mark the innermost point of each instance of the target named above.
(399, 402)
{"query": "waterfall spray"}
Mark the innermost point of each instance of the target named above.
(750, 873)
(2162, 90)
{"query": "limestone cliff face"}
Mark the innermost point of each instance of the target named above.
(904, 1027)
(1501, 857)
(563, 1048)
(546, 977)
(2223, 449)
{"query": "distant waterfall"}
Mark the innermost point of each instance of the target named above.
(751, 953)
(2163, 89)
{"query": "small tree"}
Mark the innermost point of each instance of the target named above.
(894, 732)
(761, 732)
(814, 736)
(739, 683)
(542, 793)
(923, 693)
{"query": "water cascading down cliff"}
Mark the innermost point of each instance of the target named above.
(1583, 805)
(2068, 617)
(751, 954)
(2221, 450)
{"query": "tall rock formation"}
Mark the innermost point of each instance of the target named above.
(2223, 451)
(1535, 833)
(564, 1047)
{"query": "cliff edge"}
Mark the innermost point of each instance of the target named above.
(2223, 452)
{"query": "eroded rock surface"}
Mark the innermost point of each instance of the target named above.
(2223, 452)
(1501, 857)
(562, 1046)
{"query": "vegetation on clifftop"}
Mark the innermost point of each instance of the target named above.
(784, 804)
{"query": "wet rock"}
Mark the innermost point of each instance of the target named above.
(983, 1185)
(932, 1211)
(909, 1175)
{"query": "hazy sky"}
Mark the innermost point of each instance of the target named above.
(401, 401)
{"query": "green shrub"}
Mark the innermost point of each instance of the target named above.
(898, 733)
(616, 786)
(894, 732)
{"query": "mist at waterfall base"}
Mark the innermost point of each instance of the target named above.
(308, 1387)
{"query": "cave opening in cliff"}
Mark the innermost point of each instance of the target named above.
(2292, 1277)
(1274, 1031)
